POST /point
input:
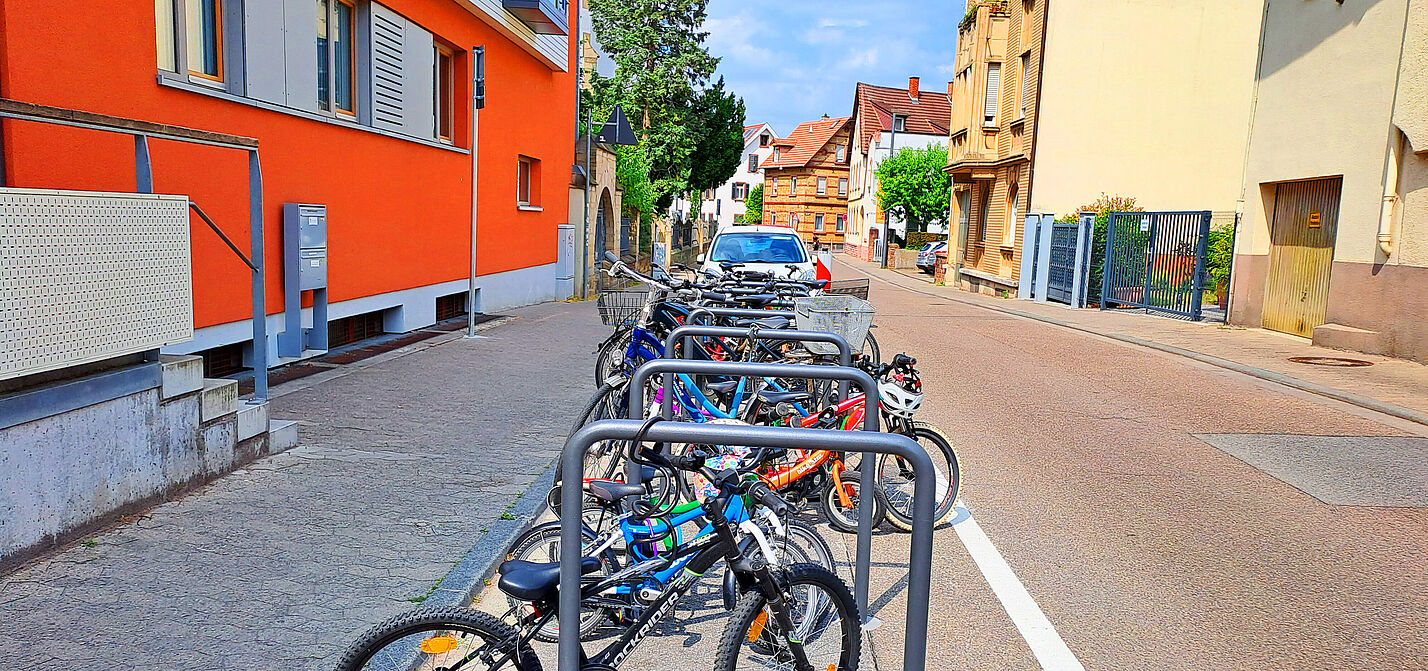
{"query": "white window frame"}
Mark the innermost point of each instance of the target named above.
(822, 186)
(818, 222)
(842, 186)
(992, 100)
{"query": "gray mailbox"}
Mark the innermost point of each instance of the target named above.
(304, 269)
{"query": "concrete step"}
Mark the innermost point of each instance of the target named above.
(219, 398)
(252, 419)
(282, 435)
(182, 374)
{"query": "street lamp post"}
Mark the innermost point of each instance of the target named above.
(892, 144)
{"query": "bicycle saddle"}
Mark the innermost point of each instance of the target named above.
(612, 491)
(529, 581)
(756, 300)
(772, 322)
(769, 396)
(722, 387)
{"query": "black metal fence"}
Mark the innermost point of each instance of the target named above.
(1156, 261)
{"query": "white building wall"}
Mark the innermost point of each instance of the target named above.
(722, 208)
(879, 149)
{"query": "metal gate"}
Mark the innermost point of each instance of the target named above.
(1055, 259)
(1156, 261)
(1301, 253)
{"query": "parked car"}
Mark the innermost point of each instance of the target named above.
(927, 256)
(767, 249)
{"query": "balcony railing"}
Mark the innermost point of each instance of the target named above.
(545, 17)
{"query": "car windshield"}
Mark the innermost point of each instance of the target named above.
(758, 248)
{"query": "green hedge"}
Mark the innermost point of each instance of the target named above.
(916, 239)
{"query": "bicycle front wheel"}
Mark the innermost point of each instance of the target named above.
(896, 480)
(825, 624)
(445, 637)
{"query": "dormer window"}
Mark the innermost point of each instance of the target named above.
(764, 140)
(899, 124)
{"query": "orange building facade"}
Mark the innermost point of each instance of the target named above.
(363, 107)
(806, 181)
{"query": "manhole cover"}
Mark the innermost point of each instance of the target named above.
(1331, 361)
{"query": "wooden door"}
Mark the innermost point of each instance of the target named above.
(1301, 253)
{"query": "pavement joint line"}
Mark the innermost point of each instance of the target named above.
(1031, 622)
(1326, 391)
(464, 583)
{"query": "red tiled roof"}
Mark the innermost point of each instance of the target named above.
(805, 141)
(874, 106)
(750, 130)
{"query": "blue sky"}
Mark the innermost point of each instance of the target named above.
(796, 60)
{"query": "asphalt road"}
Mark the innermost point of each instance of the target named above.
(1089, 466)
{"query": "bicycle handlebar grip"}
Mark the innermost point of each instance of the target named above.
(768, 499)
(712, 296)
(610, 256)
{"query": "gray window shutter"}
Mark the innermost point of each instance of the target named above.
(388, 44)
(419, 83)
(403, 85)
(994, 87)
(263, 52)
(300, 53)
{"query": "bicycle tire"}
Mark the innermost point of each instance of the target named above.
(871, 351)
(745, 631)
(436, 619)
(606, 402)
(549, 535)
(610, 355)
(899, 500)
(847, 521)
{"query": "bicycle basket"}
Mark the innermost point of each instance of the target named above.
(857, 288)
(847, 316)
(621, 307)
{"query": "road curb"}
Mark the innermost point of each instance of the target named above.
(1390, 409)
(467, 580)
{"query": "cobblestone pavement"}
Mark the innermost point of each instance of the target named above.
(402, 466)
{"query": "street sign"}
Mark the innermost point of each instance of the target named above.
(616, 130)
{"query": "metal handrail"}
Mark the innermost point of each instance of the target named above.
(204, 216)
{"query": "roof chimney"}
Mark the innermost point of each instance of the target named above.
(825, 117)
(949, 89)
(912, 87)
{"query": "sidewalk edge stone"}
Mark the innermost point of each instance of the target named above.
(467, 580)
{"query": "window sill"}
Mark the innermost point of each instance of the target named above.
(343, 121)
(530, 208)
(990, 128)
(1018, 123)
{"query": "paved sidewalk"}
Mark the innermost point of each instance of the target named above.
(403, 466)
(1396, 386)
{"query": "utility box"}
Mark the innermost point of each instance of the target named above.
(304, 269)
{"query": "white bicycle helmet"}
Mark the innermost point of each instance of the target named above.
(898, 401)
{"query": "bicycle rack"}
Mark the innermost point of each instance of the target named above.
(845, 353)
(862, 380)
(696, 313)
(919, 580)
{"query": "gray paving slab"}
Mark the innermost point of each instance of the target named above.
(1339, 470)
(403, 466)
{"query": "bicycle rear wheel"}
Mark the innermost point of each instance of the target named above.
(825, 622)
(438, 638)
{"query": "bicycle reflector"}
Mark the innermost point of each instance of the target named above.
(438, 644)
(757, 626)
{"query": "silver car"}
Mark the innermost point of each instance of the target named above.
(927, 256)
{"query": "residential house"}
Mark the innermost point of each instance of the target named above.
(1042, 123)
(885, 120)
(722, 205)
(806, 181)
(1333, 243)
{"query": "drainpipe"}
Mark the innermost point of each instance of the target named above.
(1392, 157)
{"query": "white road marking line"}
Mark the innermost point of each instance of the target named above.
(1051, 652)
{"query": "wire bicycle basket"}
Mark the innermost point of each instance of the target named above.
(621, 307)
(847, 316)
(858, 288)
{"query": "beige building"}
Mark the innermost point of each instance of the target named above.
(806, 181)
(1156, 106)
(990, 145)
(1333, 243)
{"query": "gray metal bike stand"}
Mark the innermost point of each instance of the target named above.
(863, 559)
(697, 313)
(845, 352)
(919, 582)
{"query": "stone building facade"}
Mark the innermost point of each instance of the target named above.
(806, 181)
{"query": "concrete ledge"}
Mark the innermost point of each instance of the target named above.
(49, 400)
(1338, 336)
(219, 398)
(282, 435)
(252, 420)
(182, 374)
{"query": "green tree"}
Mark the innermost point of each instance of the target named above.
(660, 66)
(718, 120)
(753, 206)
(1102, 207)
(912, 186)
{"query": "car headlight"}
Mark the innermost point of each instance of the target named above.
(806, 275)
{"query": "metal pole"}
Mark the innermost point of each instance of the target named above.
(255, 251)
(892, 146)
(1106, 265)
(476, 84)
(585, 225)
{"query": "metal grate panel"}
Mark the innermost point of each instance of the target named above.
(85, 276)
